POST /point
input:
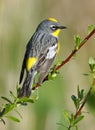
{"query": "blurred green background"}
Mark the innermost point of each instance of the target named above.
(18, 21)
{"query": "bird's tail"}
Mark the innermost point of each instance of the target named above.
(25, 91)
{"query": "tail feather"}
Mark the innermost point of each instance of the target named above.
(27, 86)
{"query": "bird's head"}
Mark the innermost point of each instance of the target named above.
(50, 26)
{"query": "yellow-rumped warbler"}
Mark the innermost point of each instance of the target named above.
(40, 54)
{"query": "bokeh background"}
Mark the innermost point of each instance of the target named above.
(18, 21)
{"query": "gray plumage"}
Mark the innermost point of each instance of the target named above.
(43, 46)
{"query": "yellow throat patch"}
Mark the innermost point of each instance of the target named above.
(56, 33)
(30, 62)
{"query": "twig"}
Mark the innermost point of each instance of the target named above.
(85, 100)
(74, 51)
(69, 57)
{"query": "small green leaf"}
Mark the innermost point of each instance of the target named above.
(6, 99)
(79, 118)
(13, 118)
(61, 124)
(7, 108)
(18, 113)
(52, 75)
(71, 119)
(92, 64)
(12, 95)
(76, 127)
(76, 101)
(66, 116)
(25, 100)
(80, 93)
(30, 100)
(2, 121)
(73, 97)
(90, 29)
(77, 40)
(17, 89)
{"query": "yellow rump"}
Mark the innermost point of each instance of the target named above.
(30, 62)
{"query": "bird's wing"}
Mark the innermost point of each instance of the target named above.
(46, 59)
(30, 56)
(22, 69)
(48, 52)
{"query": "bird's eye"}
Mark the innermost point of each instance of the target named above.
(53, 27)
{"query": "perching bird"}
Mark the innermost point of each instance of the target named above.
(40, 53)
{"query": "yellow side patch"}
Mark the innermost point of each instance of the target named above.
(55, 33)
(58, 47)
(30, 62)
(53, 19)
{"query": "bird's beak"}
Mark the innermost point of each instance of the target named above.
(62, 27)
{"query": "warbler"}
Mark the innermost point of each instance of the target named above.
(40, 53)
